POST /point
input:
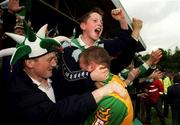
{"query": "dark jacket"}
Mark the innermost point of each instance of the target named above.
(173, 96)
(28, 105)
(9, 21)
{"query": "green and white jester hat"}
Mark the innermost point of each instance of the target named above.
(32, 45)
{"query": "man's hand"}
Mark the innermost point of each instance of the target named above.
(119, 89)
(100, 73)
(118, 14)
(154, 58)
(143, 95)
(137, 26)
(156, 74)
(13, 6)
(107, 89)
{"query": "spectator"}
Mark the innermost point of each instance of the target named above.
(166, 82)
(173, 96)
(11, 23)
(130, 73)
(19, 28)
(155, 92)
(6, 68)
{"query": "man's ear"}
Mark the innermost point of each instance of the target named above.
(82, 26)
(29, 63)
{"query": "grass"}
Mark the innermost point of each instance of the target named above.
(155, 118)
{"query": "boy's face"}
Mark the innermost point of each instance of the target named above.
(93, 27)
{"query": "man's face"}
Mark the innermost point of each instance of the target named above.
(93, 27)
(42, 67)
(19, 31)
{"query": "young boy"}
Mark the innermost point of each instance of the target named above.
(112, 109)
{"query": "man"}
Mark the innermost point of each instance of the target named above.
(10, 19)
(19, 28)
(11, 23)
(155, 92)
(35, 94)
(6, 68)
(112, 109)
(131, 73)
(122, 48)
(173, 96)
(166, 82)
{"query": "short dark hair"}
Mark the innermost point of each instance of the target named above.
(85, 17)
(96, 54)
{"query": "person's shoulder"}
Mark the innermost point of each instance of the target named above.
(71, 45)
(173, 87)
